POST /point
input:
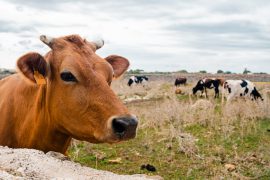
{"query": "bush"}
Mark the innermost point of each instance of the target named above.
(136, 71)
(228, 72)
(203, 71)
(182, 71)
(220, 72)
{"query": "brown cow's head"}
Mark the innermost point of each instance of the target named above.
(79, 100)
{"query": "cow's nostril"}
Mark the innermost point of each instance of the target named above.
(125, 127)
(119, 126)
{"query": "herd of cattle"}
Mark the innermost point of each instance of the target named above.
(231, 88)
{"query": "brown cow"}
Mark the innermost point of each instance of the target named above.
(65, 94)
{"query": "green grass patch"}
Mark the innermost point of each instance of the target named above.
(248, 151)
(182, 97)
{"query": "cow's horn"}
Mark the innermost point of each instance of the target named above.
(47, 40)
(98, 43)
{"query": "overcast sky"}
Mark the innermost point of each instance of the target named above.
(155, 35)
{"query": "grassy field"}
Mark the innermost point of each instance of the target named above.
(187, 137)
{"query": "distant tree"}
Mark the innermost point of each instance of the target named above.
(136, 71)
(182, 71)
(160, 72)
(259, 73)
(246, 71)
(203, 71)
(228, 72)
(220, 72)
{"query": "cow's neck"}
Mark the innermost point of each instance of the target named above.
(45, 136)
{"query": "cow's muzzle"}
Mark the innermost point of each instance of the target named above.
(124, 127)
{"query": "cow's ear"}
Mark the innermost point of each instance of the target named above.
(34, 67)
(119, 64)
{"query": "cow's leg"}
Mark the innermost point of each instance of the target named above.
(222, 94)
(216, 92)
(231, 96)
(201, 93)
(205, 92)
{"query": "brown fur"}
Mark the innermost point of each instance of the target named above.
(178, 91)
(46, 117)
(222, 80)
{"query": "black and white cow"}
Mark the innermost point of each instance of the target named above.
(180, 80)
(241, 88)
(137, 80)
(206, 83)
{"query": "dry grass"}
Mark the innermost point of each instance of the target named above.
(193, 110)
(195, 134)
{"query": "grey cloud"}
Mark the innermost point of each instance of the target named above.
(231, 35)
(238, 7)
(52, 3)
(13, 27)
(19, 8)
(25, 42)
(136, 53)
(139, 57)
(39, 4)
(128, 9)
(51, 25)
(226, 8)
(217, 28)
(38, 46)
(220, 43)
(205, 40)
(27, 35)
(155, 10)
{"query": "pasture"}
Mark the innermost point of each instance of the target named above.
(187, 137)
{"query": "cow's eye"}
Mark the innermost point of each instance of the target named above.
(68, 76)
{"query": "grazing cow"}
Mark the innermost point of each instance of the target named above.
(206, 83)
(137, 80)
(180, 80)
(62, 95)
(241, 88)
